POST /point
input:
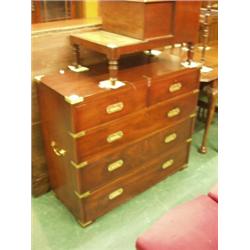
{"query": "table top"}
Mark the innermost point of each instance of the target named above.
(211, 60)
(108, 39)
(114, 45)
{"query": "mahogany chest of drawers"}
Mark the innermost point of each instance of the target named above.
(103, 147)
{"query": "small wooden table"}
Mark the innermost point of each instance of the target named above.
(114, 45)
(209, 82)
(136, 25)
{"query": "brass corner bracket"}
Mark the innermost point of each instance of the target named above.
(80, 165)
(38, 78)
(84, 195)
(77, 135)
(85, 224)
(192, 115)
(73, 99)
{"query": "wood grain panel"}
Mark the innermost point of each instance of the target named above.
(99, 202)
(133, 156)
(135, 125)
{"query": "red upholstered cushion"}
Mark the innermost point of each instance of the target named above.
(213, 193)
(191, 226)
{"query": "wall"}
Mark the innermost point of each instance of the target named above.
(51, 51)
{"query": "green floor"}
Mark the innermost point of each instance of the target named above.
(54, 228)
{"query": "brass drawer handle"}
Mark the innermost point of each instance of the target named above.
(114, 137)
(175, 87)
(170, 138)
(116, 193)
(58, 152)
(113, 166)
(174, 112)
(114, 108)
(167, 164)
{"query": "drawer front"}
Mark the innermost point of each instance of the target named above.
(131, 128)
(169, 87)
(115, 104)
(112, 195)
(103, 169)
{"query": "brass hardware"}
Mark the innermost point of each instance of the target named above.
(174, 112)
(73, 99)
(114, 137)
(84, 195)
(116, 193)
(85, 224)
(113, 166)
(196, 91)
(38, 78)
(80, 165)
(189, 140)
(58, 152)
(114, 108)
(170, 138)
(192, 115)
(167, 164)
(77, 135)
(78, 68)
(184, 166)
(112, 45)
(175, 87)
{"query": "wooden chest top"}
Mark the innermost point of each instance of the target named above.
(135, 70)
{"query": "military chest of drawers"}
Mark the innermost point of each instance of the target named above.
(103, 147)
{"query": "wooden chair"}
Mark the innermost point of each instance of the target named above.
(209, 82)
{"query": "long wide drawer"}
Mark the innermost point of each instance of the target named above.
(130, 128)
(108, 167)
(112, 195)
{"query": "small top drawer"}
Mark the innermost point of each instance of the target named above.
(79, 98)
(114, 104)
(173, 85)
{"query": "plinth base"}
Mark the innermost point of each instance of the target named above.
(107, 84)
(193, 64)
(78, 68)
(206, 69)
(201, 48)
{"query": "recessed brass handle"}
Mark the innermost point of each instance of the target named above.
(57, 151)
(115, 165)
(116, 107)
(167, 164)
(114, 137)
(175, 87)
(116, 193)
(170, 138)
(174, 112)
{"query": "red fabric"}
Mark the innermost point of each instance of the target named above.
(213, 193)
(191, 226)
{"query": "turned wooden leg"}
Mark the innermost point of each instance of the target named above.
(113, 71)
(190, 54)
(205, 43)
(206, 25)
(76, 51)
(212, 106)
